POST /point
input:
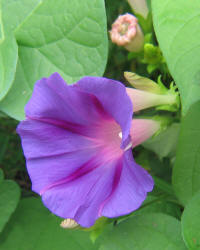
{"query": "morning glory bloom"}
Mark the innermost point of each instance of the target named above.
(77, 140)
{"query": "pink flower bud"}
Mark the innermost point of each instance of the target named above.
(143, 129)
(139, 7)
(126, 32)
(143, 99)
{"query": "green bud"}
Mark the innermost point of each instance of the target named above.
(152, 54)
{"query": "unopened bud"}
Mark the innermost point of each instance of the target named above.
(143, 129)
(143, 100)
(126, 32)
(142, 83)
(139, 7)
(69, 223)
(148, 93)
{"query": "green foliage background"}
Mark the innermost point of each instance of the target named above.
(169, 218)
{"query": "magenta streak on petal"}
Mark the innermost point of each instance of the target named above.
(61, 154)
(101, 114)
(94, 100)
(98, 106)
(78, 128)
(74, 128)
(108, 148)
(118, 170)
(105, 132)
(83, 170)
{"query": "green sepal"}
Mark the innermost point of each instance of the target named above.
(97, 229)
(172, 91)
(152, 54)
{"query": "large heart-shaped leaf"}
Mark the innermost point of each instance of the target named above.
(186, 172)
(147, 231)
(33, 227)
(68, 37)
(9, 197)
(177, 28)
(13, 13)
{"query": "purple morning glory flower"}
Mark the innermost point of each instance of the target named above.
(77, 144)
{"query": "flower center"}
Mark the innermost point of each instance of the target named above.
(129, 145)
(123, 28)
(108, 140)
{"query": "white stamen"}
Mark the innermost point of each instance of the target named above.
(129, 145)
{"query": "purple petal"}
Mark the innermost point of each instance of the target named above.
(52, 152)
(131, 190)
(82, 197)
(114, 99)
(53, 99)
(108, 189)
(47, 171)
(40, 139)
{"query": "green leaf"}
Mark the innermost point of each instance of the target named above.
(8, 64)
(9, 197)
(186, 172)
(176, 25)
(13, 13)
(69, 38)
(191, 223)
(145, 232)
(33, 227)
(1, 27)
(164, 144)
